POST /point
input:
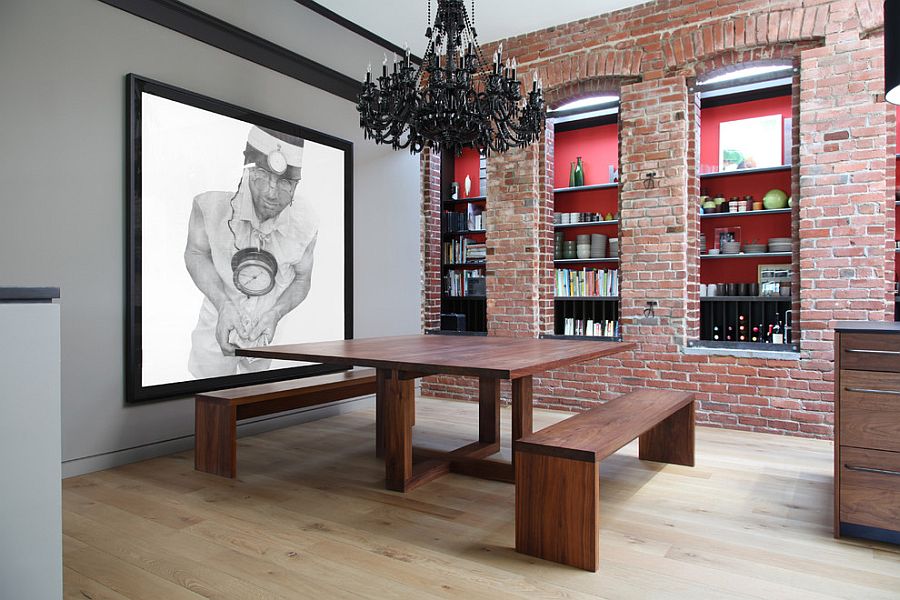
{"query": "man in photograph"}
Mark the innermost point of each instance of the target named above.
(250, 252)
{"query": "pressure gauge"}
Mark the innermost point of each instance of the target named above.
(254, 271)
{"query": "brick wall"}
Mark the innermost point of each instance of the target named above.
(842, 184)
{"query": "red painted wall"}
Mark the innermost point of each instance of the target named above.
(711, 118)
(598, 148)
(467, 164)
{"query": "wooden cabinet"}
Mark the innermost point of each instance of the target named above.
(867, 431)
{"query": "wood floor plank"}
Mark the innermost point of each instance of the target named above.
(309, 517)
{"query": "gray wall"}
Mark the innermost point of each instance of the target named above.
(62, 109)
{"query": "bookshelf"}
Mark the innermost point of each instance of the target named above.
(586, 293)
(896, 215)
(463, 238)
(745, 321)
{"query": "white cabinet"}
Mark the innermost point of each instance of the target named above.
(30, 446)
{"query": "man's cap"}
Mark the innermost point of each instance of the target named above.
(274, 151)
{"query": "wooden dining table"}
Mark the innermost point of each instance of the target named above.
(400, 360)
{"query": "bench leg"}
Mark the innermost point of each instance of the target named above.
(672, 440)
(558, 509)
(215, 438)
(381, 381)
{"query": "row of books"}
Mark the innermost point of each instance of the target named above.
(464, 283)
(464, 250)
(472, 219)
(589, 327)
(587, 282)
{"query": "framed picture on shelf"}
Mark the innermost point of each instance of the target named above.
(752, 143)
(239, 235)
(726, 234)
(773, 277)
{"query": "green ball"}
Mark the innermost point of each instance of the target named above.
(775, 199)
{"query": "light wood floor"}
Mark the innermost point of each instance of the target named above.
(309, 518)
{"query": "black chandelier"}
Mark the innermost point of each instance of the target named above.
(452, 101)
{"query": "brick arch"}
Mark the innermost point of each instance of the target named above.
(733, 60)
(601, 66)
(759, 30)
(576, 90)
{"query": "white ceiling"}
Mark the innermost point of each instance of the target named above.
(403, 21)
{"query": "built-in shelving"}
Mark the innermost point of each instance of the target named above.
(745, 299)
(745, 172)
(589, 298)
(465, 232)
(473, 200)
(749, 255)
(586, 224)
(748, 213)
(577, 261)
(586, 188)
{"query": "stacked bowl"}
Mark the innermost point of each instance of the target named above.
(731, 247)
(614, 247)
(779, 244)
(598, 245)
(583, 246)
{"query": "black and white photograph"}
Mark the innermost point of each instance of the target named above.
(240, 224)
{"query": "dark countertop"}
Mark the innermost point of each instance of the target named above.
(867, 327)
(28, 294)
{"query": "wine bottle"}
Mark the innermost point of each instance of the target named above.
(730, 336)
(777, 336)
(769, 335)
(755, 336)
(715, 332)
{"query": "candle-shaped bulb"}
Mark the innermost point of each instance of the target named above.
(384, 62)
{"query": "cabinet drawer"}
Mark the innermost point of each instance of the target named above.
(870, 352)
(870, 409)
(870, 488)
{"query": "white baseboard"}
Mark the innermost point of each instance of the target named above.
(116, 458)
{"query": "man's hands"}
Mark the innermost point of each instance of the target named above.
(230, 319)
(264, 330)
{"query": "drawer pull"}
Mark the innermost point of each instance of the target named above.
(886, 352)
(871, 470)
(871, 391)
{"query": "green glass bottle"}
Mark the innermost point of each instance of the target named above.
(579, 173)
(571, 174)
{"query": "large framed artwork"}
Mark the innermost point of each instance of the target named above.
(239, 235)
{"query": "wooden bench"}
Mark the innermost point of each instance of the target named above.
(217, 413)
(557, 469)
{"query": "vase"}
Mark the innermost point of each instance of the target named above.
(571, 174)
(579, 173)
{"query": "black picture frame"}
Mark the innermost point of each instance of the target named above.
(135, 391)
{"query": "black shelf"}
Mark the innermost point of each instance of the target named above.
(451, 332)
(468, 265)
(585, 224)
(465, 232)
(745, 299)
(576, 261)
(745, 172)
(472, 200)
(748, 213)
(760, 346)
(749, 255)
(449, 297)
(593, 338)
(589, 298)
(586, 188)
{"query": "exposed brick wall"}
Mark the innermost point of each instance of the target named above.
(431, 239)
(842, 186)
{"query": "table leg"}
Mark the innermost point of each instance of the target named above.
(488, 410)
(522, 407)
(397, 395)
(381, 378)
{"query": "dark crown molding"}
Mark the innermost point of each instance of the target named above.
(208, 29)
(356, 28)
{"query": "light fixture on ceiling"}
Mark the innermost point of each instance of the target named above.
(892, 51)
(453, 100)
